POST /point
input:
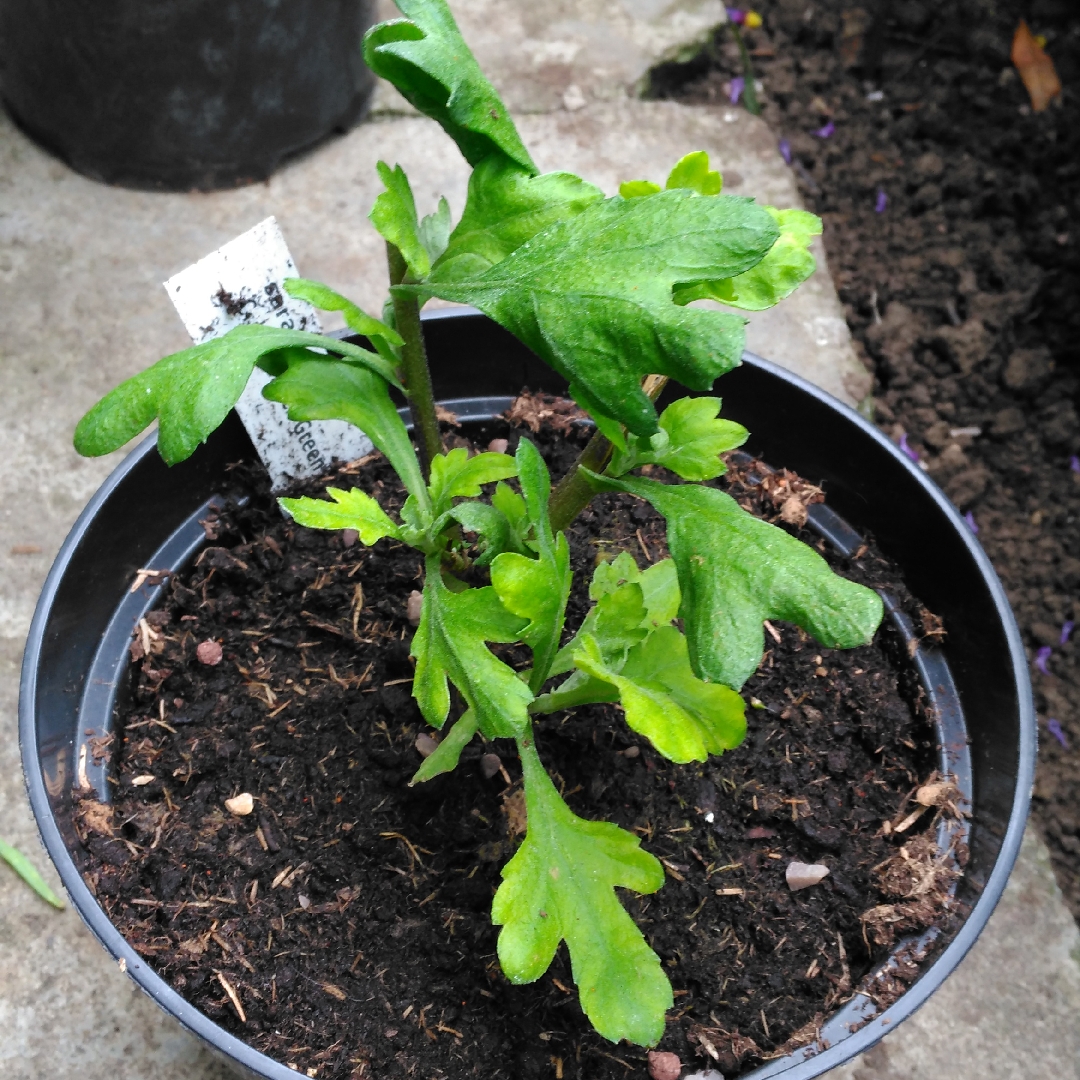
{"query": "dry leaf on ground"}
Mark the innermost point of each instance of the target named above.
(1035, 67)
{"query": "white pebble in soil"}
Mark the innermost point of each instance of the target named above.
(802, 875)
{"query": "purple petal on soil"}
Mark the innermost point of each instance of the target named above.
(736, 15)
(738, 84)
(1055, 729)
(907, 450)
(1074, 463)
(969, 517)
(882, 203)
(826, 131)
(1066, 631)
(785, 153)
(1042, 657)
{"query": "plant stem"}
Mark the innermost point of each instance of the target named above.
(749, 89)
(416, 375)
(574, 492)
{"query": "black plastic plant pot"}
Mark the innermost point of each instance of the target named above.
(183, 94)
(146, 515)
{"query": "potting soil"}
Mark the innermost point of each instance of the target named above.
(343, 925)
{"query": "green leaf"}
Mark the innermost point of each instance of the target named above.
(735, 571)
(787, 265)
(445, 757)
(325, 299)
(608, 426)
(449, 644)
(618, 621)
(508, 502)
(394, 216)
(629, 606)
(316, 388)
(434, 230)
(536, 588)
(690, 441)
(693, 172)
(427, 59)
(592, 295)
(492, 526)
(349, 510)
(560, 885)
(191, 392)
(684, 718)
(659, 585)
(456, 475)
(504, 524)
(634, 189)
(29, 873)
(507, 205)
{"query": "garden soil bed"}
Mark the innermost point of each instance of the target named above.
(950, 213)
(343, 926)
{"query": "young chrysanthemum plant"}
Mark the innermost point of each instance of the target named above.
(597, 287)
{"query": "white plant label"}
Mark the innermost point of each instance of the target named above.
(241, 282)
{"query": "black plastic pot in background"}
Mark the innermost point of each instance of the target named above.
(146, 515)
(183, 94)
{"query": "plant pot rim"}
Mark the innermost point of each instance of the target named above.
(796, 1066)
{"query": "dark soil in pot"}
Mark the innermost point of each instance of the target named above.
(962, 292)
(347, 918)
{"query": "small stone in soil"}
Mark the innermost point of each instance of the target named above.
(802, 875)
(498, 446)
(490, 764)
(413, 607)
(664, 1065)
(209, 653)
(425, 744)
(241, 805)
(349, 537)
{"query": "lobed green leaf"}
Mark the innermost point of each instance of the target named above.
(735, 571)
(325, 299)
(427, 59)
(316, 388)
(592, 295)
(560, 885)
(659, 585)
(394, 216)
(693, 172)
(684, 718)
(351, 509)
(689, 443)
(493, 527)
(455, 475)
(787, 265)
(508, 205)
(536, 588)
(449, 645)
(191, 392)
(446, 755)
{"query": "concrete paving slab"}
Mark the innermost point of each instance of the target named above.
(568, 53)
(1009, 1012)
(80, 273)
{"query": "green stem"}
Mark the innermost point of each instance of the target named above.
(538, 783)
(574, 492)
(416, 375)
(749, 89)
